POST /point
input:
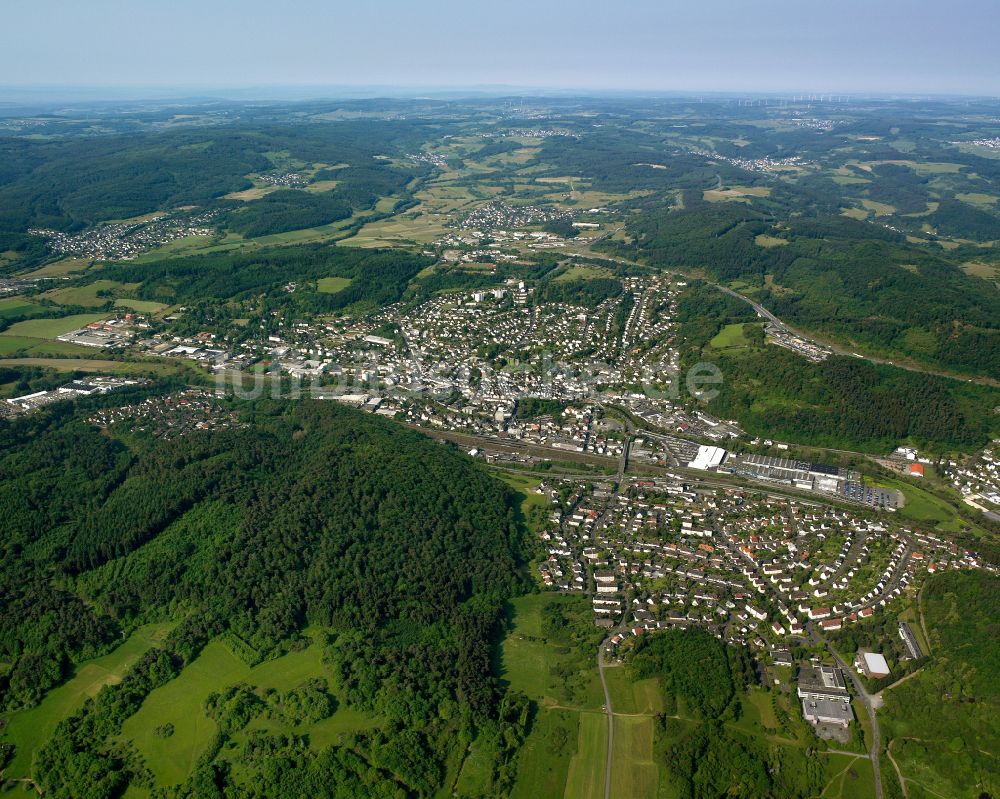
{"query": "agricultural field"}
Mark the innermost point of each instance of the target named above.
(566, 750)
(567, 745)
(585, 779)
(634, 771)
(633, 697)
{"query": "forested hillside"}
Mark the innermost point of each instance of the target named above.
(943, 726)
(841, 401)
(311, 516)
(860, 283)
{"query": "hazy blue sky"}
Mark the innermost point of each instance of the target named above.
(914, 46)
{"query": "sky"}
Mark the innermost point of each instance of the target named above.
(818, 46)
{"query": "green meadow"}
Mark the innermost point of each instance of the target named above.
(17, 308)
(51, 328)
(331, 285)
(28, 729)
(181, 703)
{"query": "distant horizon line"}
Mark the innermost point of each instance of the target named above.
(14, 93)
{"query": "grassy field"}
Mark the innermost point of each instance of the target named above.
(99, 365)
(737, 193)
(529, 661)
(879, 209)
(87, 296)
(534, 506)
(731, 336)
(544, 759)
(61, 268)
(986, 201)
(140, 306)
(979, 269)
(247, 195)
(476, 775)
(331, 285)
(634, 773)
(565, 751)
(582, 272)
(632, 698)
(50, 328)
(28, 729)
(763, 240)
(923, 507)
(39, 347)
(849, 777)
(181, 701)
(585, 779)
(16, 307)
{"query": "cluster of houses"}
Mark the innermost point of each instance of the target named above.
(978, 480)
(763, 164)
(171, 415)
(756, 570)
(123, 241)
(498, 215)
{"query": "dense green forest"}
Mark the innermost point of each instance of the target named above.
(72, 183)
(587, 293)
(377, 276)
(313, 515)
